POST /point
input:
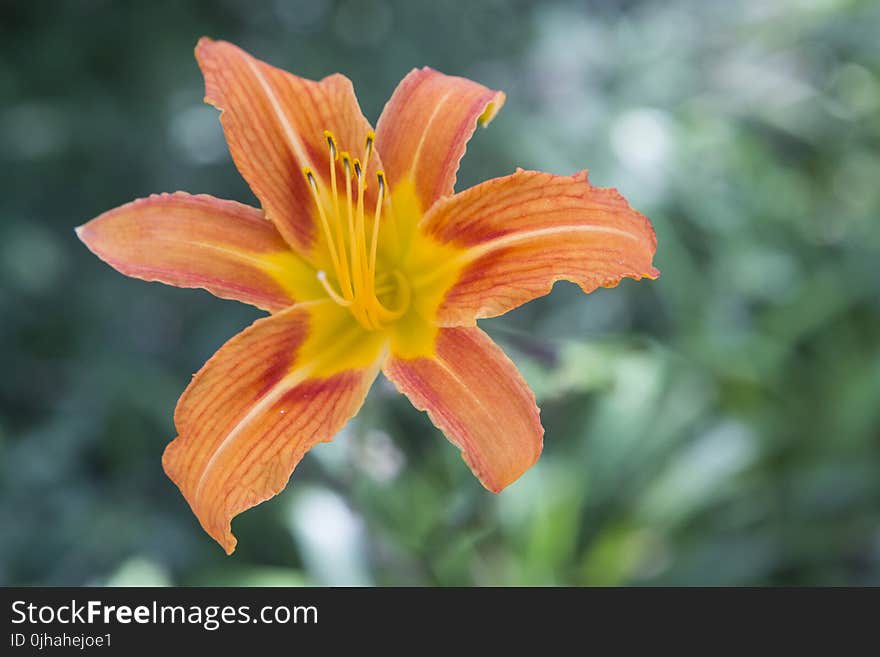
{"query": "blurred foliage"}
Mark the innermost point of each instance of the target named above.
(720, 425)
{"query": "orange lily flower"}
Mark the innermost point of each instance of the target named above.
(367, 260)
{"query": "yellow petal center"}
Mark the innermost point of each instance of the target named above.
(374, 297)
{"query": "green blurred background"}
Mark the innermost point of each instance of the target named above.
(718, 426)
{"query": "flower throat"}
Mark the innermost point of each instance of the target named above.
(352, 248)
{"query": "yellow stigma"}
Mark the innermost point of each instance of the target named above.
(352, 248)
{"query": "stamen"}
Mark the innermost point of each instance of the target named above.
(375, 235)
(331, 142)
(354, 256)
(340, 238)
(331, 247)
(368, 147)
(391, 221)
(322, 277)
(362, 268)
(355, 267)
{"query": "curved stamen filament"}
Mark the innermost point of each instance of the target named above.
(374, 241)
(362, 274)
(346, 167)
(343, 257)
(333, 294)
(353, 252)
(313, 185)
(405, 294)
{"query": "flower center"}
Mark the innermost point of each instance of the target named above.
(352, 247)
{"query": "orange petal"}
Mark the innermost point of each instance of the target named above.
(266, 397)
(476, 396)
(521, 233)
(274, 122)
(424, 129)
(198, 241)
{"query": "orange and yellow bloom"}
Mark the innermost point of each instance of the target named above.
(366, 260)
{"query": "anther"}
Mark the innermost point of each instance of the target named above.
(331, 143)
(368, 147)
(357, 169)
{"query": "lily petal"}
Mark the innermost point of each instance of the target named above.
(425, 126)
(274, 123)
(272, 392)
(521, 233)
(475, 395)
(200, 241)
